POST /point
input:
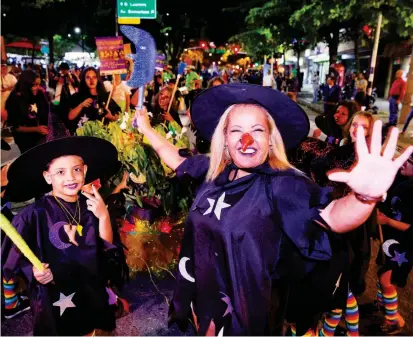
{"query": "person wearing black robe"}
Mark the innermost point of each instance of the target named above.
(396, 258)
(89, 103)
(28, 111)
(249, 235)
(76, 302)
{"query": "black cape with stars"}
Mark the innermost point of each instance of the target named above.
(244, 241)
(76, 270)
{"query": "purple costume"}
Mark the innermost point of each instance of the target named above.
(77, 302)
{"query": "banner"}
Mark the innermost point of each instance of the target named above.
(111, 55)
(160, 61)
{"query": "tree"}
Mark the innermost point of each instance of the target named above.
(269, 30)
(325, 19)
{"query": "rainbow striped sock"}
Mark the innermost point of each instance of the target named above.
(293, 330)
(352, 315)
(331, 321)
(390, 304)
(309, 333)
(379, 294)
(11, 300)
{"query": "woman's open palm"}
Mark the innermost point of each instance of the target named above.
(375, 169)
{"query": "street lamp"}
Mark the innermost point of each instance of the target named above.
(77, 30)
(69, 35)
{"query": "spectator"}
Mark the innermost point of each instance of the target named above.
(397, 92)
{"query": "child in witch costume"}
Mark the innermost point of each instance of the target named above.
(66, 231)
(397, 216)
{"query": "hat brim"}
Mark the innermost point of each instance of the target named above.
(25, 174)
(289, 117)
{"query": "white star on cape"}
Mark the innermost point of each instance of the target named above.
(33, 107)
(64, 302)
(82, 121)
(218, 208)
(227, 300)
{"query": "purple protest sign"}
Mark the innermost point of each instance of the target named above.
(160, 61)
(111, 55)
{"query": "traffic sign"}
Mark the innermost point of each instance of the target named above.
(136, 9)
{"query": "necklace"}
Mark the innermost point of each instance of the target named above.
(69, 215)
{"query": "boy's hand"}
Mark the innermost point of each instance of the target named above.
(45, 276)
(96, 205)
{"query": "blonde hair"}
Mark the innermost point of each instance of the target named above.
(399, 73)
(366, 114)
(220, 158)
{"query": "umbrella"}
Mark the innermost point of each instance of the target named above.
(23, 44)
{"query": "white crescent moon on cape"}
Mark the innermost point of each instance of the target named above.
(221, 332)
(54, 236)
(182, 269)
(386, 246)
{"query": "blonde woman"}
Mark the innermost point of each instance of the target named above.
(256, 223)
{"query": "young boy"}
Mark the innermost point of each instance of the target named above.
(66, 231)
(397, 214)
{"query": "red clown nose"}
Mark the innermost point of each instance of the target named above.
(246, 140)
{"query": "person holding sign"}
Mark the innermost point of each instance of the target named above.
(120, 92)
(92, 102)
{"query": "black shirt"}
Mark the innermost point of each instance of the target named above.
(96, 111)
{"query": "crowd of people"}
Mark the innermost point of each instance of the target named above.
(280, 225)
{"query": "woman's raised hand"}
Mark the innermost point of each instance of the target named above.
(376, 168)
(142, 120)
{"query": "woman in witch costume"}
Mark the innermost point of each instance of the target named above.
(256, 223)
(66, 231)
(28, 111)
(396, 218)
(90, 102)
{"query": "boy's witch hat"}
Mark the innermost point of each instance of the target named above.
(25, 174)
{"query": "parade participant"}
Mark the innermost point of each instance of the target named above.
(120, 92)
(66, 231)
(215, 81)
(90, 102)
(8, 81)
(66, 85)
(190, 78)
(344, 158)
(316, 86)
(409, 117)
(28, 111)
(14, 302)
(397, 92)
(257, 222)
(361, 84)
(396, 218)
(331, 96)
(335, 131)
(160, 108)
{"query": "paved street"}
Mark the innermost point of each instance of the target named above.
(149, 309)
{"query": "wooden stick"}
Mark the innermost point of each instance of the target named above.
(173, 92)
(111, 92)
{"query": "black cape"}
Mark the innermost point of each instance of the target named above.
(76, 270)
(242, 240)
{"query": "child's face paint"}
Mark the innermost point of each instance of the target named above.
(67, 177)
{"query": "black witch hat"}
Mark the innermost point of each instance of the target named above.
(25, 174)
